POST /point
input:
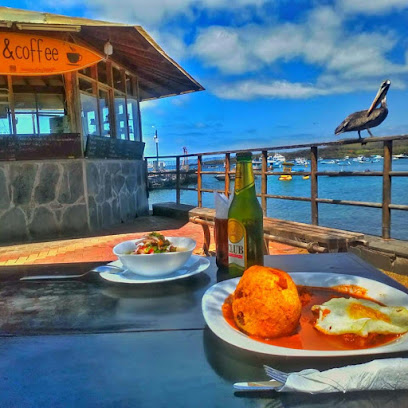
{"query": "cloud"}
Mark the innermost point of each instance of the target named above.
(372, 6)
(155, 11)
(271, 89)
(320, 39)
(252, 89)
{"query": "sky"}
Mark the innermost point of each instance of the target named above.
(276, 72)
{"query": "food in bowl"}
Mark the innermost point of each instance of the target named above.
(266, 303)
(152, 263)
(154, 243)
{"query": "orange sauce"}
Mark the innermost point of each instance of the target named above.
(306, 336)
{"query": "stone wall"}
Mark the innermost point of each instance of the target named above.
(116, 191)
(62, 198)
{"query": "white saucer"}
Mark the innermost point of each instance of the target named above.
(193, 266)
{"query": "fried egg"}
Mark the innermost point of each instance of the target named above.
(360, 317)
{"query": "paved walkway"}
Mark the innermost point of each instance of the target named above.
(99, 248)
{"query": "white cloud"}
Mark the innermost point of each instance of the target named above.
(272, 89)
(372, 6)
(222, 47)
(321, 39)
(251, 89)
(152, 12)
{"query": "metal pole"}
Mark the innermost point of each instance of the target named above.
(178, 179)
(156, 139)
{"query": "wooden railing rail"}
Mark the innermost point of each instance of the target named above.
(387, 174)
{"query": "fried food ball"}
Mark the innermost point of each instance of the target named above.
(266, 303)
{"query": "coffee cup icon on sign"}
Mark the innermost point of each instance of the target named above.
(74, 57)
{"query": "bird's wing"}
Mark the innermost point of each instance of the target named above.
(344, 126)
(376, 117)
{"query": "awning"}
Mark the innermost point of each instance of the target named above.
(133, 48)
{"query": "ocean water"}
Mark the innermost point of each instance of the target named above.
(362, 219)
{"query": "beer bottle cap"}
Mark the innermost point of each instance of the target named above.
(244, 156)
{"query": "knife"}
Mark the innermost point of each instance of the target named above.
(98, 269)
(258, 385)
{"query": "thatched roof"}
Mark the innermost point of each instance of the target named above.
(159, 75)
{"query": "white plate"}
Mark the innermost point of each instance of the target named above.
(215, 297)
(194, 265)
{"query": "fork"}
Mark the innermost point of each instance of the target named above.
(275, 374)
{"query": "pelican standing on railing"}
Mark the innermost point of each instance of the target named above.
(366, 119)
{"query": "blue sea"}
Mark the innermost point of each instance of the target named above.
(362, 219)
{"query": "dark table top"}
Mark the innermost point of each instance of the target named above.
(93, 343)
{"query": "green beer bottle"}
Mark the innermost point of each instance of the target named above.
(245, 220)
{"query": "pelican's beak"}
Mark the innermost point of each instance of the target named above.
(382, 92)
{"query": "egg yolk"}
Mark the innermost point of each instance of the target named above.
(359, 311)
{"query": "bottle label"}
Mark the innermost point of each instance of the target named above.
(236, 243)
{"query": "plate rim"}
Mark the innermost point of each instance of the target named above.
(232, 336)
(158, 279)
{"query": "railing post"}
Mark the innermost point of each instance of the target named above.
(199, 180)
(227, 176)
(313, 185)
(264, 181)
(386, 212)
(178, 179)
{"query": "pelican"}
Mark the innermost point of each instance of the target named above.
(370, 118)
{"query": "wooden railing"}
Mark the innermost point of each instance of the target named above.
(387, 174)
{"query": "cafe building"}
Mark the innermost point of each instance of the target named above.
(71, 145)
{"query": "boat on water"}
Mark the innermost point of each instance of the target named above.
(329, 161)
(301, 161)
(400, 156)
(257, 164)
(152, 165)
(306, 177)
(287, 167)
(285, 177)
(276, 160)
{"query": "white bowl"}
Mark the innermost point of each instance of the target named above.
(155, 264)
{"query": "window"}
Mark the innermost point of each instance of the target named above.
(133, 119)
(39, 105)
(5, 113)
(89, 114)
(104, 112)
(120, 116)
(118, 80)
(107, 106)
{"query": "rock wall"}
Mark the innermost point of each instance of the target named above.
(116, 191)
(61, 198)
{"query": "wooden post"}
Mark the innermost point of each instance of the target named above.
(313, 185)
(227, 176)
(111, 94)
(199, 180)
(73, 98)
(264, 181)
(386, 212)
(178, 179)
(11, 105)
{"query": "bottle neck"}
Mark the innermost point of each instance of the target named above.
(244, 177)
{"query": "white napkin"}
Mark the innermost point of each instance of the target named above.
(222, 204)
(387, 374)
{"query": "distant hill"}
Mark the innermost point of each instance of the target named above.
(352, 150)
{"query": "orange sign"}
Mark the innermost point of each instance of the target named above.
(26, 54)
